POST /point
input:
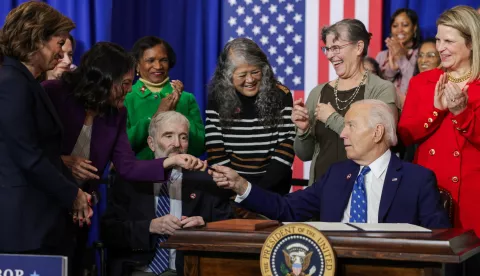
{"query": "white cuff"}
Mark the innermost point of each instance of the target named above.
(240, 198)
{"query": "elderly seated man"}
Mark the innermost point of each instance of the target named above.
(142, 215)
(373, 186)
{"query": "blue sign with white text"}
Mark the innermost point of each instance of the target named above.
(32, 265)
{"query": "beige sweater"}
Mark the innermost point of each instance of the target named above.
(306, 146)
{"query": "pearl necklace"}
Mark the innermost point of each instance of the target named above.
(349, 100)
(461, 79)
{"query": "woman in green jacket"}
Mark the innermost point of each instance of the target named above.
(154, 93)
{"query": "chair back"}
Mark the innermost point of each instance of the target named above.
(447, 203)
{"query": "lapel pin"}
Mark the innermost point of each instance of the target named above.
(394, 179)
(193, 195)
(349, 175)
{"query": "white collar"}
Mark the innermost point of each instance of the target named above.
(379, 166)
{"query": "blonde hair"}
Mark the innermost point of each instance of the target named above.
(466, 20)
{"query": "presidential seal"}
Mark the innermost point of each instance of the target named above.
(297, 250)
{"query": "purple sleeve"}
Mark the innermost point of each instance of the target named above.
(128, 166)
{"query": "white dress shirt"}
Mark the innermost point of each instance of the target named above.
(175, 192)
(374, 181)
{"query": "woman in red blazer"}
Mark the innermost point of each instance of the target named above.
(442, 114)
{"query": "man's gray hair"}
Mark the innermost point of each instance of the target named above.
(164, 118)
(381, 113)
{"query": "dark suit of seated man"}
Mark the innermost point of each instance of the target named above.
(141, 215)
(374, 186)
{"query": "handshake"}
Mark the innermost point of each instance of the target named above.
(82, 206)
(185, 161)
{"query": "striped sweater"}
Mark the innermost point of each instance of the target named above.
(261, 154)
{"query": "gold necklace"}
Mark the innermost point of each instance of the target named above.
(461, 79)
(350, 100)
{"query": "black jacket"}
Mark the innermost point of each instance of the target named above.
(35, 196)
(126, 222)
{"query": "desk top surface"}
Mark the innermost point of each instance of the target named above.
(444, 245)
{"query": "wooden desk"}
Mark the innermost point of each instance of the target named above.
(236, 252)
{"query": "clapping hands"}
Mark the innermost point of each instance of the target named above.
(449, 96)
(396, 50)
(170, 102)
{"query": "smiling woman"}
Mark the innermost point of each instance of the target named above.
(248, 124)
(441, 114)
(35, 196)
(154, 93)
(428, 56)
(320, 121)
(398, 62)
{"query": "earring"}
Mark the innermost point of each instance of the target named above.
(137, 74)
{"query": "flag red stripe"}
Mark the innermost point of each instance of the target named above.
(375, 26)
(324, 20)
(349, 8)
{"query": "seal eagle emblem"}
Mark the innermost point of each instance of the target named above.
(297, 249)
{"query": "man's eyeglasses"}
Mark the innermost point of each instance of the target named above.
(335, 49)
(428, 55)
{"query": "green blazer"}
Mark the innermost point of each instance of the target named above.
(142, 105)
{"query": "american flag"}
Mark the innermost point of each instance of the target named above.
(289, 32)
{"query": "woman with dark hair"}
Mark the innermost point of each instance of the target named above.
(90, 101)
(428, 56)
(320, 120)
(247, 119)
(398, 62)
(154, 93)
(35, 196)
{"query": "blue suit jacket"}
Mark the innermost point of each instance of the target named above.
(410, 195)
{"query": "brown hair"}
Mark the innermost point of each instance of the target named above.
(355, 30)
(30, 25)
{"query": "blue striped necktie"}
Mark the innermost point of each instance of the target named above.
(358, 203)
(160, 262)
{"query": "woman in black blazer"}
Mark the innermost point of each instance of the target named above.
(35, 196)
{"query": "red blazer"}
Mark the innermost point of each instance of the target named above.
(449, 145)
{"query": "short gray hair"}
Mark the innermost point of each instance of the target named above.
(381, 113)
(165, 118)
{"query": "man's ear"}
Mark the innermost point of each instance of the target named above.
(379, 133)
(151, 143)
